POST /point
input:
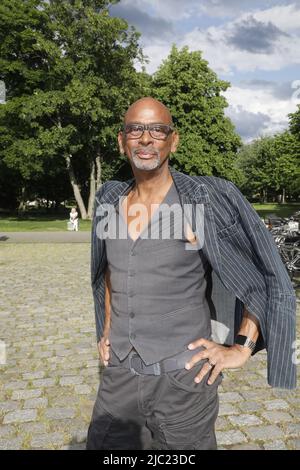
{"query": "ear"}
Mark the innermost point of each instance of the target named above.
(121, 143)
(175, 141)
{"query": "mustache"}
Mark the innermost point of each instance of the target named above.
(145, 150)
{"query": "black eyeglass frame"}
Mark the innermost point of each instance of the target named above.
(147, 127)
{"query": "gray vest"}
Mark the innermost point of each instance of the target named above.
(158, 303)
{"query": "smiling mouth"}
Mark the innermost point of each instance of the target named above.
(145, 156)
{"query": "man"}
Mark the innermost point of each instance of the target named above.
(172, 313)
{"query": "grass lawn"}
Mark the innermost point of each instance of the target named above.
(44, 223)
(281, 210)
(39, 223)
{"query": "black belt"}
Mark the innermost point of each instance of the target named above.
(136, 364)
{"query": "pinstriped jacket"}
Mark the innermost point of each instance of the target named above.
(246, 269)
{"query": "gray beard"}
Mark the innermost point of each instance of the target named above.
(146, 164)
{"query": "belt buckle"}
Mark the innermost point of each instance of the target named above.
(133, 355)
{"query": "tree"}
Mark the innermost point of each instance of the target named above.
(192, 91)
(270, 166)
(256, 161)
(287, 165)
(78, 69)
(295, 123)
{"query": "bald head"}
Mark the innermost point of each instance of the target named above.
(148, 110)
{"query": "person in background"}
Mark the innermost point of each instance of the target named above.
(74, 218)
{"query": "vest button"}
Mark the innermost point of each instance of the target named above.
(133, 336)
(132, 315)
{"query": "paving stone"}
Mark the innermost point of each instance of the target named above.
(44, 383)
(230, 437)
(276, 405)
(80, 435)
(18, 384)
(33, 428)
(63, 401)
(34, 375)
(275, 445)
(59, 413)
(11, 444)
(26, 394)
(6, 430)
(75, 380)
(20, 416)
(46, 441)
(250, 446)
(292, 429)
(228, 409)
(249, 406)
(82, 389)
(277, 416)
(9, 406)
(244, 420)
(257, 395)
(294, 444)
(264, 433)
(36, 403)
(222, 423)
(232, 397)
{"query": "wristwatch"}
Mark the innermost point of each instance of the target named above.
(245, 341)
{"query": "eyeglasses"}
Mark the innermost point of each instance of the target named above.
(157, 131)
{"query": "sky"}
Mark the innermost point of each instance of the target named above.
(253, 44)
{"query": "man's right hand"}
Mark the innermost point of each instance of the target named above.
(104, 350)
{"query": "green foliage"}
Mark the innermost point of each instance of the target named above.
(192, 91)
(295, 123)
(271, 165)
(69, 70)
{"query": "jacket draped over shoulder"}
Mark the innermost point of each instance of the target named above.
(246, 268)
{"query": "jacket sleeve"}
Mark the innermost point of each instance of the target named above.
(279, 325)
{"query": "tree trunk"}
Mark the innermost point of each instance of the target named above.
(95, 183)
(99, 173)
(283, 196)
(22, 203)
(92, 190)
(265, 196)
(75, 186)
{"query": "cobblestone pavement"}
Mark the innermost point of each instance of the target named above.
(51, 376)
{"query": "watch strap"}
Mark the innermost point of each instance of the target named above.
(245, 341)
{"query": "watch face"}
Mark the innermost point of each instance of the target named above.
(240, 339)
(245, 341)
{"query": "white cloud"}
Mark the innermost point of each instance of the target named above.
(286, 18)
(271, 113)
(168, 9)
(273, 44)
(226, 57)
(277, 51)
(176, 10)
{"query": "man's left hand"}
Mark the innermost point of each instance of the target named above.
(218, 358)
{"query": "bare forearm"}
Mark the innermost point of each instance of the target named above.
(249, 326)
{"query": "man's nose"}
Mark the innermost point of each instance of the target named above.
(146, 137)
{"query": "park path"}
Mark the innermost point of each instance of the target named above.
(45, 237)
(51, 376)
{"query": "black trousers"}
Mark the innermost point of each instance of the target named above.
(150, 412)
